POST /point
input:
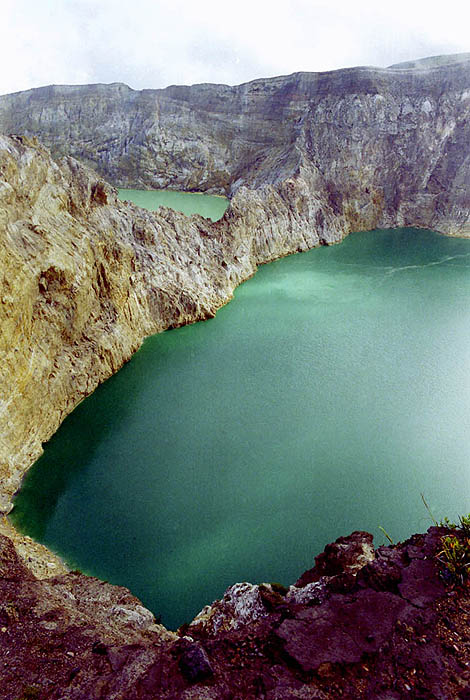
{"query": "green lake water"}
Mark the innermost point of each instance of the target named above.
(330, 393)
(211, 206)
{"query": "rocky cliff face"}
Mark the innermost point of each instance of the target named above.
(371, 146)
(310, 157)
(84, 278)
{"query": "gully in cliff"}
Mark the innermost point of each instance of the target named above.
(85, 278)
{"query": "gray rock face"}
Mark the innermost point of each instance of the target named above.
(204, 137)
(372, 147)
(308, 158)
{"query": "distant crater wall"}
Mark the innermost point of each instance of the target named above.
(84, 277)
(401, 131)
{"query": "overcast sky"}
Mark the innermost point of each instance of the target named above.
(151, 43)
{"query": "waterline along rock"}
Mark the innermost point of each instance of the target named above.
(367, 146)
(84, 278)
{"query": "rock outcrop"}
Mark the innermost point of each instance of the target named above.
(385, 629)
(84, 278)
(369, 146)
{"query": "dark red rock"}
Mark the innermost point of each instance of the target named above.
(345, 555)
(381, 575)
(194, 663)
(342, 629)
(420, 583)
(68, 639)
(11, 566)
(342, 583)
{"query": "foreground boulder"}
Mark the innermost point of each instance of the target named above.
(84, 278)
(397, 631)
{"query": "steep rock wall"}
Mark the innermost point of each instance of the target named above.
(84, 277)
(391, 138)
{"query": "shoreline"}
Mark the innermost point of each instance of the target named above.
(46, 563)
(311, 158)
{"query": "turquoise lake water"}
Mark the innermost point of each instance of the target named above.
(211, 206)
(330, 393)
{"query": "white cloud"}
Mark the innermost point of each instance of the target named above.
(151, 43)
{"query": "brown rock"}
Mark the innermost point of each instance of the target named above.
(341, 630)
(344, 556)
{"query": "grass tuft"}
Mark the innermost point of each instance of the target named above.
(455, 552)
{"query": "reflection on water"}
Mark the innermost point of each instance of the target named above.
(324, 398)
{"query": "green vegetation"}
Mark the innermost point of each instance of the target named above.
(455, 555)
(382, 529)
(455, 552)
(464, 525)
(429, 510)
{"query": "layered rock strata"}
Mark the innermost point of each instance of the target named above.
(370, 146)
(84, 278)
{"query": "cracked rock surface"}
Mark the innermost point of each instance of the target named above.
(73, 636)
(84, 278)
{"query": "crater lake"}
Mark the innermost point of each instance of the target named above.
(325, 398)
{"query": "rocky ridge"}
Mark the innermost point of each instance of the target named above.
(84, 278)
(370, 147)
(374, 624)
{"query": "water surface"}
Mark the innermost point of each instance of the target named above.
(211, 206)
(324, 398)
